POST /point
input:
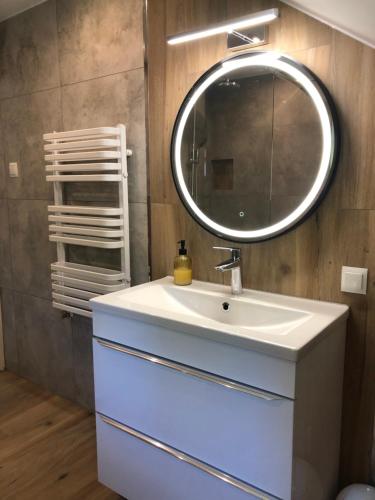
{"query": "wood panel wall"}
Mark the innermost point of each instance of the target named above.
(307, 261)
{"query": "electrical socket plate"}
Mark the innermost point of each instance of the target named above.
(13, 169)
(354, 280)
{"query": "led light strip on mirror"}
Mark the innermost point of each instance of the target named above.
(305, 79)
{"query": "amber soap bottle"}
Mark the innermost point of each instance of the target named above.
(182, 266)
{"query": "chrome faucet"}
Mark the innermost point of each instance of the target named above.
(232, 264)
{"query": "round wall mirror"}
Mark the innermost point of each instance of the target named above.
(254, 146)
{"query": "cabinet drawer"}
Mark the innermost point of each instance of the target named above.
(243, 431)
(250, 367)
(140, 468)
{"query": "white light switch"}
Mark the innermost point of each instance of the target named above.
(13, 169)
(354, 280)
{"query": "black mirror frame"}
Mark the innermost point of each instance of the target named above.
(335, 147)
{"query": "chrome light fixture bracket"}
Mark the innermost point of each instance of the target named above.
(247, 38)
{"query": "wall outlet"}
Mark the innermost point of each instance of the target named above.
(13, 169)
(354, 280)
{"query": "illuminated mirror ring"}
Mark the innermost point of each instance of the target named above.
(325, 109)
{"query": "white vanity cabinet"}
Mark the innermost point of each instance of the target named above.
(183, 417)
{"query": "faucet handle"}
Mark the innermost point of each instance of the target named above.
(235, 252)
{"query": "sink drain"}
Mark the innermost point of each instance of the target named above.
(226, 306)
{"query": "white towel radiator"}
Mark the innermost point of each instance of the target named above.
(90, 155)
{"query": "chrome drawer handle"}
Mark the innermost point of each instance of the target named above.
(187, 370)
(188, 459)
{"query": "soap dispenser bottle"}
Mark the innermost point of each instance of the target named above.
(182, 266)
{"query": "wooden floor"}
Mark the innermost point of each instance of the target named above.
(47, 446)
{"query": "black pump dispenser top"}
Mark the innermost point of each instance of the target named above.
(182, 250)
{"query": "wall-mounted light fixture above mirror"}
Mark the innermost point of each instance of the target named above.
(254, 146)
(245, 30)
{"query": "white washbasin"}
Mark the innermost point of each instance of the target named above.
(279, 325)
(200, 302)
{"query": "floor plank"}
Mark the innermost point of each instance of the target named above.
(47, 446)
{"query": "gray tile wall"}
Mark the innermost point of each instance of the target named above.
(64, 64)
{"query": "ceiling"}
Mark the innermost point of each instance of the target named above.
(356, 18)
(9, 8)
